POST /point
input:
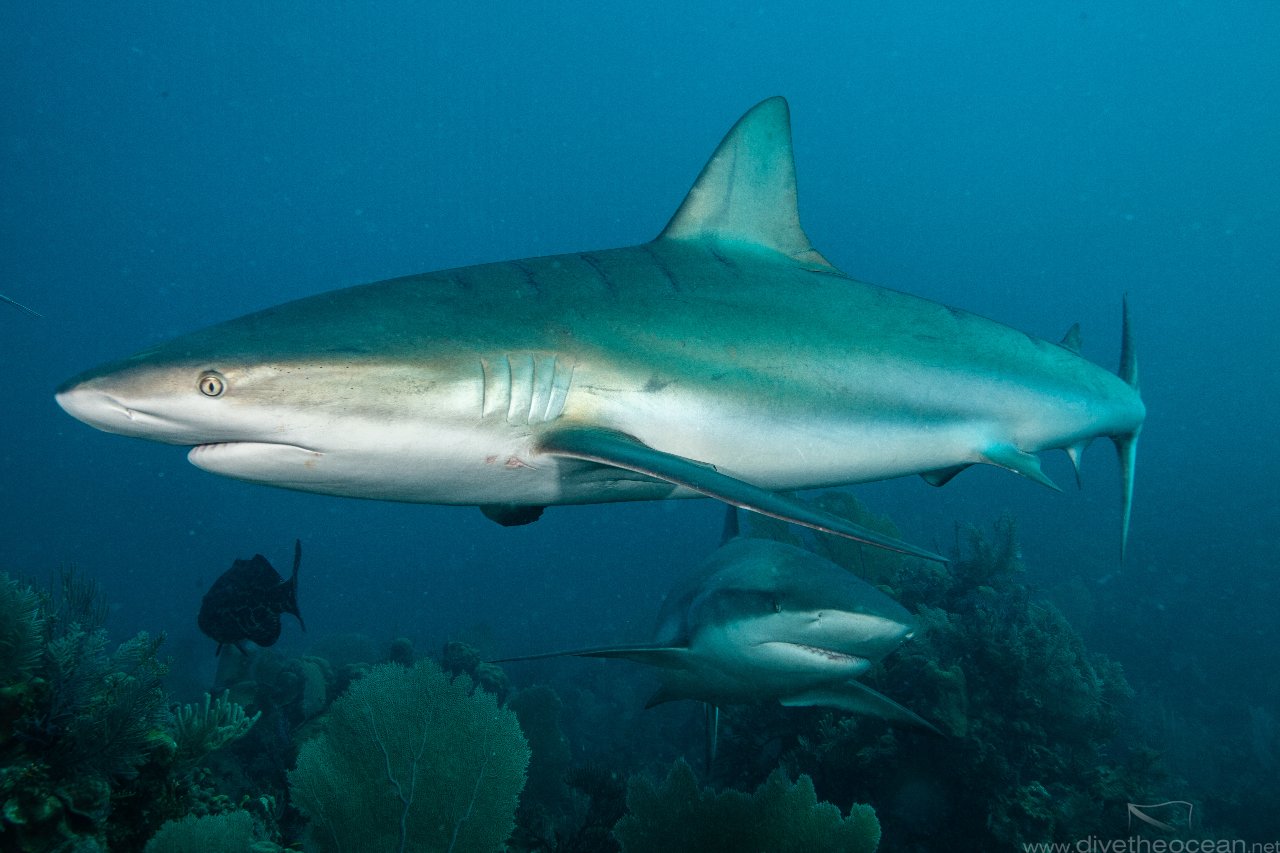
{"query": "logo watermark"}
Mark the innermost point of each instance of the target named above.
(1094, 844)
(1176, 812)
(1171, 818)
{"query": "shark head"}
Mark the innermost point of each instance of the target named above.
(765, 621)
(788, 617)
(255, 398)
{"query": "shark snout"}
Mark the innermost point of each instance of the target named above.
(99, 404)
(93, 406)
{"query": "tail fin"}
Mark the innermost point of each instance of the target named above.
(290, 588)
(1127, 450)
(1127, 445)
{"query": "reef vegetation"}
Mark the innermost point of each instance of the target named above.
(374, 746)
(1031, 717)
(94, 757)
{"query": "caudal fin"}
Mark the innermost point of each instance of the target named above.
(1127, 451)
(1127, 445)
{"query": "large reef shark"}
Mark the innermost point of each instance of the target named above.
(726, 357)
(763, 621)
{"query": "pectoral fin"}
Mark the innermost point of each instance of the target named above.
(608, 447)
(664, 657)
(858, 698)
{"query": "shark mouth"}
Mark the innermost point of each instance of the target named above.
(830, 654)
(216, 446)
(799, 651)
(253, 459)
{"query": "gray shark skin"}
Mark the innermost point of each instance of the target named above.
(726, 358)
(762, 621)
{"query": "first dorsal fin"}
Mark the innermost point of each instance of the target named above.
(747, 191)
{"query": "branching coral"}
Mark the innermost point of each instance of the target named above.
(105, 712)
(200, 729)
(83, 722)
(21, 631)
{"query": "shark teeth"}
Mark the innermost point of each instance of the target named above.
(829, 654)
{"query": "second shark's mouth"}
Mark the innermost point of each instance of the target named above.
(797, 653)
(829, 654)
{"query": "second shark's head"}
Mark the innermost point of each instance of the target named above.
(767, 606)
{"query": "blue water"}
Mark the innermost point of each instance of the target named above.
(165, 167)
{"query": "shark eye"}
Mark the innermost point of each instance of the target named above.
(212, 384)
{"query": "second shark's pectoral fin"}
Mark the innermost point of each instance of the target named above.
(609, 447)
(661, 696)
(858, 698)
(664, 657)
(1019, 462)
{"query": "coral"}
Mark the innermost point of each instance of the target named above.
(780, 817)
(538, 710)
(412, 760)
(92, 757)
(21, 630)
(83, 725)
(462, 659)
(546, 797)
(200, 729)
(606, 804)
(316, 673)
(1030, 715)
(401, 651)
(222, 833)
(103, 713)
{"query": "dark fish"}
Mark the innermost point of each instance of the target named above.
(246, 603)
